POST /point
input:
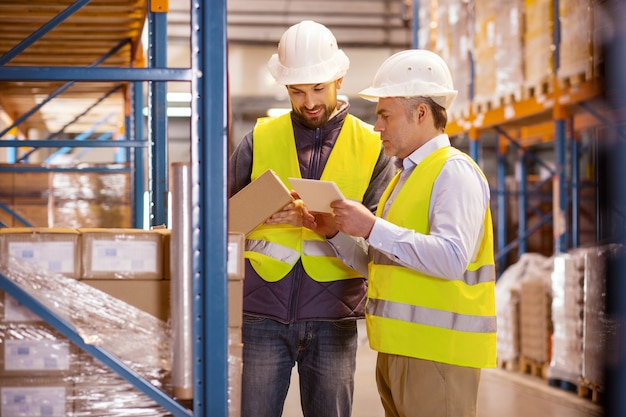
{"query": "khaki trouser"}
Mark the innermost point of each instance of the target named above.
(410, 387)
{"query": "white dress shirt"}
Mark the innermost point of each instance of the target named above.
(457, 209)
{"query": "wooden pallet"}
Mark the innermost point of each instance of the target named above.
(534, 368)
(538, 89)
(574, 80)
(589, 390)
(508, 364)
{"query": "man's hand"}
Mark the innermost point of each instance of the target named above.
(290, 214)
(353, 218)
(322, 223)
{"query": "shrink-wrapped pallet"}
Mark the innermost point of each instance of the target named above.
(567, 316)
(538, 45)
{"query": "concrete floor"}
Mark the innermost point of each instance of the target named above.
(501, 393)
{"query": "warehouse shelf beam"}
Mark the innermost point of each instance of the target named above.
(83, 136)
(42, 31)
(14, 215)
(71, 143)
(61, 73)
(157, 119)
(137, 161)
(27, 168)
(501, 202)
(209, 147)
(70, 332)
(575, 181)
(61, 89)
(523, 203)
(74, 120)
(208, 183)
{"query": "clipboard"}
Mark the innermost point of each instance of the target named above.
(316, 194)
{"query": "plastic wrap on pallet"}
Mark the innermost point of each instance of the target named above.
(136, 338)
(484, 50)
(538, 42)
(600, 330)
(576, 49)
(453, 44)
(508, 50)
(425, 19)
(91, 199)
(508, 287)
(567, 316)
(535, 316)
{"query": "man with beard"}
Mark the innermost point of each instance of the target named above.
(301, 302)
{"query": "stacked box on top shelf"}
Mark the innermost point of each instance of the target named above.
(425, 35)
(484, 53)
(91, 199)
(127, 264)
(509, 51)
(538, 46)
(26, 193)
(576, 49)
(54, 249)
(453, 42)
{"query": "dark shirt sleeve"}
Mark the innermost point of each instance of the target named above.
(384, 171)
(240, 166)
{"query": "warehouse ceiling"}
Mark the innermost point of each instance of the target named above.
(113, 29)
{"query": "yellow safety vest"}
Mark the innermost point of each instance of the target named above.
(412, 314)
(273, 250)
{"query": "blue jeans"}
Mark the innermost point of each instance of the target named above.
(326, 357)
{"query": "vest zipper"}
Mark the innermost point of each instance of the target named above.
(298, 270)
(317, 152)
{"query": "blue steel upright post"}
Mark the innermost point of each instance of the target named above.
(209, 238)
(157, 118)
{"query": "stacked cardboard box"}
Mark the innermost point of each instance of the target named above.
(42, 197)
(600, 329)
(536, 321)
(35, 364)
(538, 45)
(567, 316)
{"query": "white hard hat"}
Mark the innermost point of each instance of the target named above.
(308, 54)
(414, 72)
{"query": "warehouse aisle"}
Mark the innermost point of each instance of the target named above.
(502, 393)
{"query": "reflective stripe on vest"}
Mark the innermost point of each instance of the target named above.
(449, 320)
(357, 146)
(485, 273)
(431, 316)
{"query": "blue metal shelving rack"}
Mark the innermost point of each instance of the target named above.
(207, 77)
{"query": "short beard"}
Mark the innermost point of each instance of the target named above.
(317, 122)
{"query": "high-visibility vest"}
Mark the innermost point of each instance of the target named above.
(273, 250)
(443, 319)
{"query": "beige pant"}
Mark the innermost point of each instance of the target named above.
(410, 387)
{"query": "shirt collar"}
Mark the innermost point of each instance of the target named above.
(438, 142)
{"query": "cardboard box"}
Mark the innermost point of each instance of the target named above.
(165, 253)
(55, 249)
(153, 297)
(236, 248)
(235, 303)
(256, 202)
(12, 311)
(121, 254)
(36, 397)
(36, 349)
